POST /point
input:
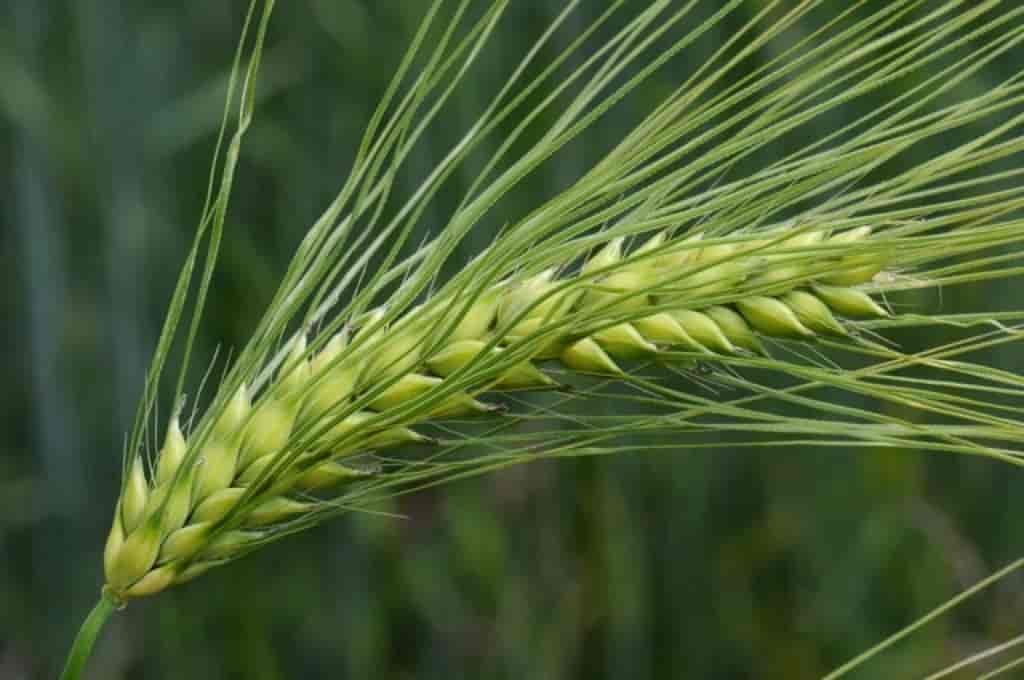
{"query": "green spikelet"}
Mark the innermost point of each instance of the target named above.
(397, 352)
(115, 540)
(624, 287)
(547, 350)
(185, 542)
(623, 340)
(716, 269)
(135, 537)
(478, 319)
(812, 312)
(735, 327)
(857, 269)
(651, 266)
(330, 474)
(610, 288)
(136, 555)
(851, 235)
(277, 510)
(781, 269)
(171, 502)
(849, 301)
(254, 469)
(334, 381)
(271, 425)
(853, 272)
(269, 430)
(229, 543)
(219, 456)
(414, 385)
(607, 256)
(772, 317)
(707, 334)
(217, 504)
(534, 294)
(373, 437)
(459, 354)
(663, 329)
(587, 356)
(217, 462)
(193, 570)
(409, 387)
(172, 453)
(370, 328)
(156, 580)
(134, 496)
(523, 375)
(677, 258)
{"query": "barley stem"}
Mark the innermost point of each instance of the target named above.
(81, 649)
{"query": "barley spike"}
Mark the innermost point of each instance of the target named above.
(199, 509)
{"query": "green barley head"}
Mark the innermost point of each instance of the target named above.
(677, 250)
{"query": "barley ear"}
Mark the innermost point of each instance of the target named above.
(732, 252)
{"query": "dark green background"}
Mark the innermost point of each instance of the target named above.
(772, 563)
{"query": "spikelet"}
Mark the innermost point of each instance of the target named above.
(458, 354)
(414, 385)
(717, 269)
(134, 496)
(332, 473)
(534, 301)
(663, 329)
(479, 316)
(172, 454)
(849, 301)
(219, 455)
(588, 356)
(619, 289)
(734, 327)
(789, 267)
(134, 555)
(217, 504)
(853, 270)
(265, 453)
(772, 317)
(812, 312)
(332, 380)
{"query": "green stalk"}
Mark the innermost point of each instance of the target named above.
(81, 649)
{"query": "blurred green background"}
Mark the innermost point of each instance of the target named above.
(755, 563)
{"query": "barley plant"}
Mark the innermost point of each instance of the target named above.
(702, 292)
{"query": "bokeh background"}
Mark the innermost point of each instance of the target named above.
(747, 563)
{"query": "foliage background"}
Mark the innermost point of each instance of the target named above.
(732, 563)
